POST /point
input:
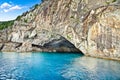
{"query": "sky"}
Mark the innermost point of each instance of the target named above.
(10, 9)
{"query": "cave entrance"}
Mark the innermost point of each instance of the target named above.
(60, 44)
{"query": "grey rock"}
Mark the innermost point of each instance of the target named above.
(92, 26)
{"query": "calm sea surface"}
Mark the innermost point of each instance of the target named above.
(56, 66)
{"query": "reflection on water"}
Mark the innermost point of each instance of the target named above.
(56, 66)
(87, 68)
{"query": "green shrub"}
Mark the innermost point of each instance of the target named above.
(34, 7)
(72, 17)
(109, 2)
(18, 18)
(114, 1)
(25, 20)
(69, 37)
(6, 24)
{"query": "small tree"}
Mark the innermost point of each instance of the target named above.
(34, 7)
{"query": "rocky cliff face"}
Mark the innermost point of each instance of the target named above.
(92, 26)
(103, 32)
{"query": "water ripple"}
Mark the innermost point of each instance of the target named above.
(38, 66)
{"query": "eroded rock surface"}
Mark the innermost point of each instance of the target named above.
(103, 34)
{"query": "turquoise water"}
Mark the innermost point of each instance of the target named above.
(56, 66)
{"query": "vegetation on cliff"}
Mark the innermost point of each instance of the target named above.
(6, 24)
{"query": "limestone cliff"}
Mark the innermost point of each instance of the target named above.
(92, 26)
